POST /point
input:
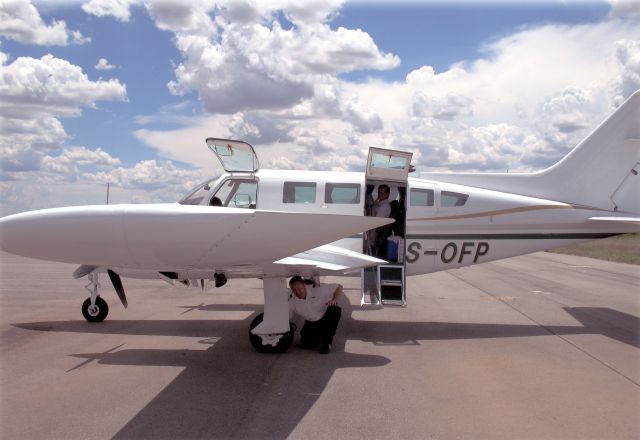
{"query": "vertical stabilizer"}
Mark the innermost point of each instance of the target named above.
(602, 171)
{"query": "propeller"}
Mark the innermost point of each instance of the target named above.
(117, 284)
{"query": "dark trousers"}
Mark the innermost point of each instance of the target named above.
(322, 330)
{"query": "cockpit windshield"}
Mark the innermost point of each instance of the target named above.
(197, 194)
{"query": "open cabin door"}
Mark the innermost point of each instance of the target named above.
(385, 284)
(235, 156)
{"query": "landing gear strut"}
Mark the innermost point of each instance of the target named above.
(271, 331)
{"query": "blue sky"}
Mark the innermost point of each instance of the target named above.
(449, 80)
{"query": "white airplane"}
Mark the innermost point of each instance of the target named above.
(267, 224)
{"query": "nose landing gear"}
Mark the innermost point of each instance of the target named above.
(94, 308)
(96, 312)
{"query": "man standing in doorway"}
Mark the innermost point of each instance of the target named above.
(318, 306)
(381, 208)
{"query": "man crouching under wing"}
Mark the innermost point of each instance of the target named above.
(318, 306)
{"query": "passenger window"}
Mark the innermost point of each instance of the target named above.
(299, 192)
(421, 197)
(453, 199)
(342, 193)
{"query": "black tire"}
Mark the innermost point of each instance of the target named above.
(283, 344)
(97, 313)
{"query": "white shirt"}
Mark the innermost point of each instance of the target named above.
(383, 208)
(315, 305)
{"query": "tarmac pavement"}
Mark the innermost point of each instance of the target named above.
(543, 346)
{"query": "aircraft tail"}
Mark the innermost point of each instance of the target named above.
(602, 171)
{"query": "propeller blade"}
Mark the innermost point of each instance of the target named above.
(117, 284)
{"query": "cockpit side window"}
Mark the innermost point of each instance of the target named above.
(449, 198)
(237, 193)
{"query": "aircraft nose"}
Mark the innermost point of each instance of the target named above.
(14, 232)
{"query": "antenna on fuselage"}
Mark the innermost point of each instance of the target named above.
(107, 193)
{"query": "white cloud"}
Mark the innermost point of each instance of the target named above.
(520, 107)
(51, 86)
(103, 64)
(181, 16)
(34, 93)
(149, 175)
(628, 81)
(73, 159)
(247, 60)
(21, 21)
(528, 100)
(118, 9)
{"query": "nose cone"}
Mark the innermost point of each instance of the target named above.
(19, 233)
(11, 232)
(52, 234)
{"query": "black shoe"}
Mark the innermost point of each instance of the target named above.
(325, 349)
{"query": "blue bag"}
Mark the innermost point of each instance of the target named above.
(392, 250)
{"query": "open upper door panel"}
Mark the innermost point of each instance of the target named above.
(384, 164)
(235, 156)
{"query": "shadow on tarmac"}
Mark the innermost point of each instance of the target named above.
(230, 390)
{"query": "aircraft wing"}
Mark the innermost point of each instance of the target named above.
(331, 258)
(635, 220)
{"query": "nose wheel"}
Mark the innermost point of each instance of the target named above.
(97, 312)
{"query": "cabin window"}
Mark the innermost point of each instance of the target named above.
(236, 193)
(449, 198)
(342, 193)
(299, 192)
(421, 197)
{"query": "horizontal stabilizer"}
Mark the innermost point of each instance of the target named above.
(330, 257)
(635, 220)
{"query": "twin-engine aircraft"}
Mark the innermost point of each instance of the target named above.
(267, 224)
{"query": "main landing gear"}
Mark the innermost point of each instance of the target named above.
(271, 331)
(271, 343)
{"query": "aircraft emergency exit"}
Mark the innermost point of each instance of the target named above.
(268, 224)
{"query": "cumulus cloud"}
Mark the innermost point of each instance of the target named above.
(245, 59)
(103, 64)
(51, 86)
(34, 93)
(182, 16)
(118, 9)
(519, 107)
(59, 183)
(21, 21)
(628, 80)
(73, 159)
(269, 72)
